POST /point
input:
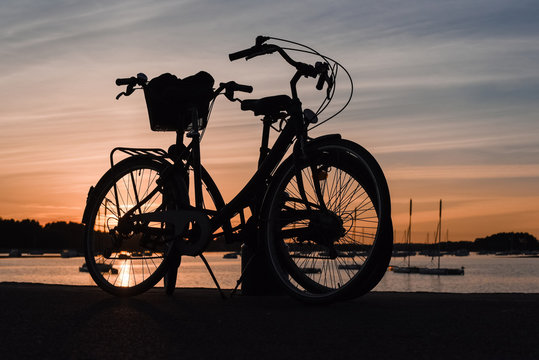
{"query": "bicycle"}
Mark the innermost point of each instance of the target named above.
(320, 219)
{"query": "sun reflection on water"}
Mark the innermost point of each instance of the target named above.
(124, 276)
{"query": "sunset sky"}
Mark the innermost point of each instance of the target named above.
(446, 97)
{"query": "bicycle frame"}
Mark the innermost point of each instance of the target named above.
(268, 163)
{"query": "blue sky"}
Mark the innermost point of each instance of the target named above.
(446, 97)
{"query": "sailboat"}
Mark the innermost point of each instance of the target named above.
(407, 254)
(437, 239)
(426, 270)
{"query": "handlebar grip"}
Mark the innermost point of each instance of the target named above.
(243, 53)
(126, 81)
(244, 88)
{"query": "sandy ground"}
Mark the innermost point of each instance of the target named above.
(69, 322)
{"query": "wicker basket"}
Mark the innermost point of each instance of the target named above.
(173, 103)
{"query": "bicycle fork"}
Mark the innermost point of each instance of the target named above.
(301, 158)
(325, 227)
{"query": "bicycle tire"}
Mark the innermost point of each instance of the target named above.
(316, 254)
(385, 248)
(129, 262)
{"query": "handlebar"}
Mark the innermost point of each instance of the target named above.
(126, 81)
(141, 80)
(243, 53)
(230, 87)
(258, 49)
(233, 86)
(302, 69)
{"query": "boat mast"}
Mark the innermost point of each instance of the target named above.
(439, 231)
(409, 235)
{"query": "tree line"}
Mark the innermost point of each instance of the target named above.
(507, 241)
(27, 235)
(504, 241)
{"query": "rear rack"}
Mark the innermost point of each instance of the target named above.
(156, 152)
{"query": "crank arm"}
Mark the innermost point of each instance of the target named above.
(180, 219)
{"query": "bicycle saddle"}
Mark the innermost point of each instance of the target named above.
(270, 105)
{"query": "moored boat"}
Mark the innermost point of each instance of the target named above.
(102, 268)
(441, 271)
(68, 253)
(404, 269)
(15, 253)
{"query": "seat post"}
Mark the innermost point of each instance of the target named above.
(264, 150)
(195, 135)
(179, 138)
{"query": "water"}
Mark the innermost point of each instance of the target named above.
(483, 273)
(50, 269)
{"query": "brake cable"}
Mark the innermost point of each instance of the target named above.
(333, 69)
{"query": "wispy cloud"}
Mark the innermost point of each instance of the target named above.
(443, 90)
(426, 173)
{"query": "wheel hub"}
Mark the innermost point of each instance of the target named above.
(326, 228)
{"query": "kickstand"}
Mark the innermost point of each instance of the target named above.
(240, 280)
(213, 276)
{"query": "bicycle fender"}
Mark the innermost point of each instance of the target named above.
(86, 208)
(312, 143)
(161, 159)
(323, 138)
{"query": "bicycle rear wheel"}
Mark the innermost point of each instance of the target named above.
(327, 229)
(123, 258)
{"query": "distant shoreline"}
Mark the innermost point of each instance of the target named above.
(4, 254)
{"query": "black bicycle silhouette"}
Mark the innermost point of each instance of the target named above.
(320, 218)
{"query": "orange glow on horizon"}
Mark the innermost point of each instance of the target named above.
(448, 108)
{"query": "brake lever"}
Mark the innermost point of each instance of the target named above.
(324, 78)
(229, 94)
(260, 39)
(130, 89)
(329, 81)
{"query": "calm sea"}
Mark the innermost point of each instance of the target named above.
(483, 273)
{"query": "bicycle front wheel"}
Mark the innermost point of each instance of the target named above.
(127, 259)
(327, 229)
